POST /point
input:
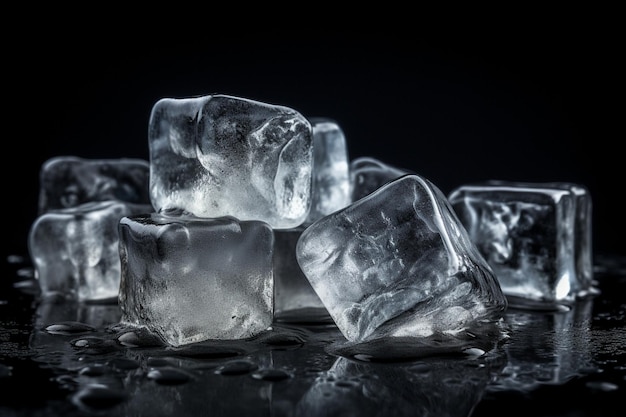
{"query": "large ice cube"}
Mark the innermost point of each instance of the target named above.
(219, 156)
(536, 236)
(75, 250)
(331, 178)
(367, 174)
(399, 263)
(189, 279)
(68, 181)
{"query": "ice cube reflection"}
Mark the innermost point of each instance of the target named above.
(569, 356)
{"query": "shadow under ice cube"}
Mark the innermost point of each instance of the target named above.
(536, 236)
(398, 263)
(75, 250)
(189, 279)
(219, 156)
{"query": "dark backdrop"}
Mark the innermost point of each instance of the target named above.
(530, 101)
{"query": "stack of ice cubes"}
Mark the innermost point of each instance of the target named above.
(252, 213)
(73, 243)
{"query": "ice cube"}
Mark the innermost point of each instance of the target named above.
(295, 299)
(75, 250)
(220, 155)
(189, 279)
(536, 236)
(68, 181)
(367, 174)
(331, 177)
(398, 263)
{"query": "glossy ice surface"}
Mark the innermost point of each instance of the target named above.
(220, 155)
(75, 250)
(397, 263)
(536, 236)
(189, 279)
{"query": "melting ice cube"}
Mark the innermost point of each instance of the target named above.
(398, 263)
(189, 279)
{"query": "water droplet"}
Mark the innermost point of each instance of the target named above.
(238, 367)
(94, 345)
(602, 386)
(69, 327)
(271, 374)
(138, 338)
(169, 376)
(93, 370)
(98, 397)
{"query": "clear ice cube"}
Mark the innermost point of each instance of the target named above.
(75, 250)
(220, 155)
(331, 178)
(367, 174)
(398, 263)
(68, 181)
(189, 279)
(294, 298)
(536, 236)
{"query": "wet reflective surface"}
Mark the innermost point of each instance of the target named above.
(60, 358)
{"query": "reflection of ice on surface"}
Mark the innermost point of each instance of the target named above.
(591, 348)
(437, 387)
(561, 343)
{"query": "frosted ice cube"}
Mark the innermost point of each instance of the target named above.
(68, 181)
(536, 236)
(219, 156)
(75, 250)
(367, 174)
(331, 177)
(189, 279)
(398, 263)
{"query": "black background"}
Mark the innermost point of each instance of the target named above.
(533, 97)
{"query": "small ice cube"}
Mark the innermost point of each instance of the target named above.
(367, 174)
(68, 181)
(331, 178)
(536, 236)
(75, 250)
